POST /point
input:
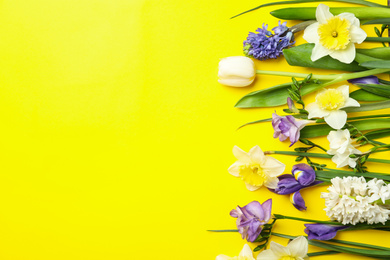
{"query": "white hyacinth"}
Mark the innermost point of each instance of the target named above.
(351, 200)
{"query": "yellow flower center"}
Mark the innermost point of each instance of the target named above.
(253, 174)
(334, 35)
(331, 99)
(287, 258)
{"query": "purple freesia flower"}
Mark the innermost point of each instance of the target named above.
(298, 201)
(365, 80)
(265, 45)
(287, 127)
(251, 218)
(322, 231)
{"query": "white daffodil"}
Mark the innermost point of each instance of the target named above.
(236, 71)
(295, 250)
(341, 148)
(334, 35)
(256, 169)
(245, 254)
(328, 105)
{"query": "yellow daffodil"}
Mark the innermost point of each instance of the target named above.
(334, 35)
(295, 250)
(245, 254)
(256, 169)
(328, 105)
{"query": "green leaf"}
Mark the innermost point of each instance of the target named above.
(369, 107)
(377, 64)
(323, 253)
(300, 56)
(379, 53)
(309, 13)
(377, 39)
(256, 122)
(273, 96)
(363, 125)
(378, 21)
(378, 134)
(377, 89)
(362, 2)
(362, 95)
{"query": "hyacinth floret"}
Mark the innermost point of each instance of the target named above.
(352, 200)
(267, 45)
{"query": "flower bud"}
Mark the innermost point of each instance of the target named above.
(297, 200)
(322, 231)
(236, 71)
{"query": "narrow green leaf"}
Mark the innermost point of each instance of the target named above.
(309, 13)
(377, 39)
(323, 253)
(377, 64)
(379, 53)
(334, 173)
(362, 2)
(378, 21)
(377, 89)
(362, 95)
(301, 56)
(256, 122)
(369, 107)
(378, 134)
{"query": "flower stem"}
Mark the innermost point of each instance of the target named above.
(293, 74)
(278, 216)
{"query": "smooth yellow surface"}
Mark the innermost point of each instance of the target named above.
(116, 137)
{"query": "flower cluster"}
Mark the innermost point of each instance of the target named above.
(351, 200)
(303, 176)
(251, 218)
(341, 148)
(265, 45)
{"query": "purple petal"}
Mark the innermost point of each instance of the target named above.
(297, 201)
(365, 80)
(254, 231)
(254, 209)
(291, 105)
(322, 231)
(288, 186)
(304, 174)
(234, 213)
(267, 207)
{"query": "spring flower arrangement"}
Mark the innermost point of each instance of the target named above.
(356, 199)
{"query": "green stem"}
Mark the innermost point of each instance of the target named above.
(323, 253)
(296, 75)
(377, 39)
(278, 216)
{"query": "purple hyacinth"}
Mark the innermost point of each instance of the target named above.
(287, 127)
(322, 231)
(266, 45)
(251, 218)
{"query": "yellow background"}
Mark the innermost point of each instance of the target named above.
(116, 136)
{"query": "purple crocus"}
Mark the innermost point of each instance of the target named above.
(251, 218)
(297, 200)
(365, 80)
(265, 45)
(287, 127)
(322, 231)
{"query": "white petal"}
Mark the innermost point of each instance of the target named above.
(322, 13)
(256, 154)
(241, 155)
(340, 160)
(351, 18)
(222, 257)
(236, 82)
(346, 56)
(279, 250)
(319, 51)
(267, 255)
(357, 34)
(351, 163)
(344, 90)
(336, 119)
(351, 103)
(272, 167)
(315, 111)
(311, 33)
(234, 169)
(246, 252)
(272, 183)
(251, 187)
(298, 247)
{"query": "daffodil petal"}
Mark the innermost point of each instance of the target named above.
(315, 111)
(323, 13)
(241, 155)
(351, 103)
(256, 154)
(336, 119)
(234, 169)
(346, 56)
(311, 33)
(279, 250)
(351, 18)
(344, 90)
(251, 187)
(298, 247)
(246, 252)
(271, 183)
(222, 257)
(357, 34)
(273, 167)
(267, 255)
(319, 51)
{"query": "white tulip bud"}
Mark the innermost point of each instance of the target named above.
(236, 71)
